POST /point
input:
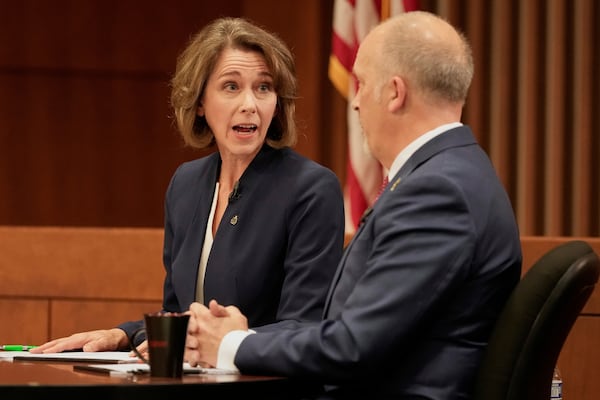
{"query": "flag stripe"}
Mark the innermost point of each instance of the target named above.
(352, 21)
(339, 76)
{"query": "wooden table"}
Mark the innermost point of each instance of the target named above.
(58, 380)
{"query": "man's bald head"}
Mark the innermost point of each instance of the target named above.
(427, 50)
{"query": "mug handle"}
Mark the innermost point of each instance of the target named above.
(132, 345)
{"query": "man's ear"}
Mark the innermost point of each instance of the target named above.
(398, 98)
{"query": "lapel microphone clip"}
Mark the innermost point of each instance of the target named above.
(235, 193)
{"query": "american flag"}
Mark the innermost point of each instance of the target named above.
(352, 20)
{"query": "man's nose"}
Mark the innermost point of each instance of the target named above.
(354, 103)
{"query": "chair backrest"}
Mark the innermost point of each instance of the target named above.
(535, 322)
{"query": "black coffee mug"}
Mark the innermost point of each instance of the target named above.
(166, 334)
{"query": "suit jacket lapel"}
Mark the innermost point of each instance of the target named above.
(460, 136)
(194, 236)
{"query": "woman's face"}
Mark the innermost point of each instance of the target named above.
(239, 103)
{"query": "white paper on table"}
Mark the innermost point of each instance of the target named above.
(109, 357)
(8, 355)
(124, 369)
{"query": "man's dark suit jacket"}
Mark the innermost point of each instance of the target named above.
(277, 246)
(418, 288)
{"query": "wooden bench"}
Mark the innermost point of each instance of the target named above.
(55, 281)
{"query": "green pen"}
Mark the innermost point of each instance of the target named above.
(16, 347)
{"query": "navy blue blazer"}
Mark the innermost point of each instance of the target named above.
(276, 248)
(418, 288)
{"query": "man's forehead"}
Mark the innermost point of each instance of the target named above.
(364, 56)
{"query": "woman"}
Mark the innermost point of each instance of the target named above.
(253, 224)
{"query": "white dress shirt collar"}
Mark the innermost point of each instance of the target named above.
(416, 144)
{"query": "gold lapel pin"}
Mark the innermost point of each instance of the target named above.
(233, 220)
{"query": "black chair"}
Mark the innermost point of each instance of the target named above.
(531, 330)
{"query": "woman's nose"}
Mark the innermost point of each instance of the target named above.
(248, 102)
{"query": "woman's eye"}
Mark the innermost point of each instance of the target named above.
(264, 87)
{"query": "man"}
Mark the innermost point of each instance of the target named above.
(417, 292)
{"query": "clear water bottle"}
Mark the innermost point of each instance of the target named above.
(557, 383)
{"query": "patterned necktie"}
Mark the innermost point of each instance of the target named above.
(369, 209)
(382, 187)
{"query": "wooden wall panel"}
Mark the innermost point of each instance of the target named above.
(534, 106)
(502, 70)
(529, 120)
(583, 108)
(78, 155)
(579, 361)
(90, 77)
(475, 110)
(24, 321)
(83, 263)
(46, 295)
(70, 316)
(64, 280)
(113, 36)
(555, 143)
(86, 137)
